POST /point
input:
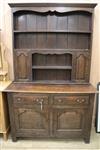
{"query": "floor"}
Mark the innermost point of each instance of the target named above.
(29, 144)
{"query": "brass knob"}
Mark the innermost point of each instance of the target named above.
(78, 100)
(18, 99)
(83, 100)
(59, 100)
(37, 100)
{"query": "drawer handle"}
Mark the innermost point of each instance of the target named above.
(59, 100)
(18, 99)
(83, 100)
(40, 101)
(80, 100)
(41, 104)
(37, 100)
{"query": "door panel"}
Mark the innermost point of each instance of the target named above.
(32, 121)
(82, 67)
(68, 121)
(22, 66)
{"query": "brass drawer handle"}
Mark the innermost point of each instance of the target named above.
(80, 100)
(40, 101)
(37, 100)
(18, 99)
(59, 100)
(41, 104)
(83, 100)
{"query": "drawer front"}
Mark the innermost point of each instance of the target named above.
(71, 100)
(30, 99)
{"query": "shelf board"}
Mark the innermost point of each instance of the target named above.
(51, 82)
(50, 51)
(52, 31)
(51, 67)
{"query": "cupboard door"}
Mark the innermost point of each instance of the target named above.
(68, 122)
(22, 66)
(82, 67)
(32, 122)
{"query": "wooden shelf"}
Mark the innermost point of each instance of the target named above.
(52, 67)
(29, 87)
(45, 41)
(52, 31)
(59, 82)
(51, 82)
(50, 51)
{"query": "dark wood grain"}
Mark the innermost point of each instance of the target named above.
(22, 65)
(51, 96)
(69, 31)
(71, 114)
(84, 5)
(32, 88)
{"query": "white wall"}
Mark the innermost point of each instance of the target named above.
(95, 63)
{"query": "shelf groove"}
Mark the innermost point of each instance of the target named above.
(52, 31)
(52, 67)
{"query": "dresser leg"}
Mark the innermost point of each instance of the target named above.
(14, 139)
(87, 140)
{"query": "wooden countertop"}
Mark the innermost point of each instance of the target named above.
(38, 88)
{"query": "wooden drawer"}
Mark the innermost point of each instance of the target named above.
(30, 99)
(71, 100)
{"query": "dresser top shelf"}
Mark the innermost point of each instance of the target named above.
(42, 88)
(92, 5)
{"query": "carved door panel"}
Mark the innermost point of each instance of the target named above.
(22, 66)
(82, 67)
(32, 121)
(68, 121)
